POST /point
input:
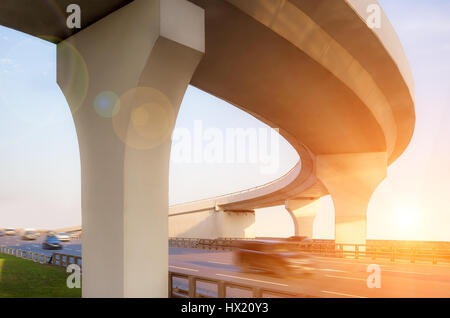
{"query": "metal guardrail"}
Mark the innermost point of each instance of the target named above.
(221, 290)
(35, 257)
(58, 259)
(212, 244)
(393, 253)
(64, 260)
(184, 242)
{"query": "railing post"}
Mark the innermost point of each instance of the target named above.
(257, 292)
(413, 250)
(192, 282)
(434, 258)
(170, 285)
(221, 289)
(341, 250)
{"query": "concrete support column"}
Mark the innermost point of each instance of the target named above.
(124, 78)
(303, 213)
(212, 224)
(236, 224)
(351, 180)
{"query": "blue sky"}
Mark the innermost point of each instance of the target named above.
(39, 161)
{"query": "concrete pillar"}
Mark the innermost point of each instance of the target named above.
(212, 224)
(236, 224)
(303, 212)
(124, 78)
(351, 180)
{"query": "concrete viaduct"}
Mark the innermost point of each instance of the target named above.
(340, 91)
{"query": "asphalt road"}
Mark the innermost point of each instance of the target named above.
(73, 247)
(334, 277)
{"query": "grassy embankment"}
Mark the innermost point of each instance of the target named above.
(24, 278)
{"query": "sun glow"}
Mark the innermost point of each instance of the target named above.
(407, 220)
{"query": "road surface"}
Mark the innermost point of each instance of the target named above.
(335, 277)
(73, 247)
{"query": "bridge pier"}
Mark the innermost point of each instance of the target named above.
(351, 179)
(237, 224)
(124, 78)
(303, 212)
(212, 224)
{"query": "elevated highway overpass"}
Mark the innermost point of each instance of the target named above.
(340, 91)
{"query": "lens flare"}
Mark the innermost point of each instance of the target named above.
(145, 119)
(107, 104)
(73, 75)
(407, 221)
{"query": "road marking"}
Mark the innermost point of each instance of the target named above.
(390, 270)
(332, 270)
(378, 260)
(343, 262)
(386, 270)
(186, 269)
(341, 294)
(219, 263)
(253, 280)
(343, 277)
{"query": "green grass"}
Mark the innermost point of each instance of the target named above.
(24, 278)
